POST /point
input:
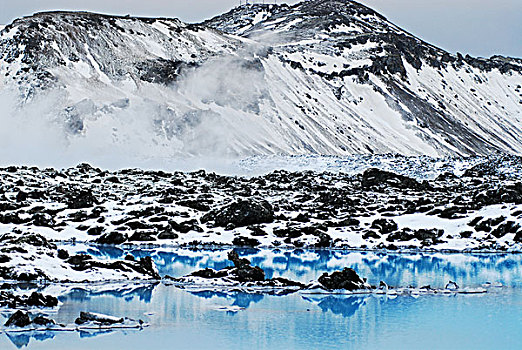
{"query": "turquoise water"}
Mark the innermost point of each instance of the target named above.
(181, 319)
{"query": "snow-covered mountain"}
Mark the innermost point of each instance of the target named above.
(322, 77)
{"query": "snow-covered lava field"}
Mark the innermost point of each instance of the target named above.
(385, 203)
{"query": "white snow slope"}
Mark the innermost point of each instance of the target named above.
(320, 77)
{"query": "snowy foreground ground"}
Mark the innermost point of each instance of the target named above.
(53, 222)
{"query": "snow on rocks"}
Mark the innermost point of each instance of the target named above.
(241, 275)
(86, 317)
(24, 322)
(246, 278)
(241, 213)
(31, 257)
(34, 300)
(455, 208)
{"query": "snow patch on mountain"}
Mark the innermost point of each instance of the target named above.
(319, 77)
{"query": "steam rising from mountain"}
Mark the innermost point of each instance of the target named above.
(320, 77)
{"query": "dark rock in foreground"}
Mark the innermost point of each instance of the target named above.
(22, 319)
(18, 319)
(346, 279)
(242, 212)
(243, 271)
(97, 318)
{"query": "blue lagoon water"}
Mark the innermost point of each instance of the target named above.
(182, 319)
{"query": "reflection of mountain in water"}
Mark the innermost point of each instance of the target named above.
(142, 292)
(106, 251)
(21, 340)
(94, 333)
(240, 299)
(344, 306)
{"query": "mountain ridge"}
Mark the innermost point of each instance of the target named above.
(320, 81)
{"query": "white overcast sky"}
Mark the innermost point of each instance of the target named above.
(478, 27)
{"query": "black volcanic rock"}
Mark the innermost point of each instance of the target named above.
(346, 279)
(243, 271)
(33, 239)
(63, 254)
(303, 209)
(44, 220)
(43, 321)
(245, 242)
(8, 299)
(97, 319)
(78, 199)
(144, 266)
(40, 300)
(385, 225)
(374, 177)
(18, 319)
(113, 237)
(210, 273)
(242, 212)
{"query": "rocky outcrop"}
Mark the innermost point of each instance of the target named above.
(346, 279)
(23, 319)
(242, 273)
(18, 319)
(242, 212)
(37, 259)
(100, 319)
(380, 178)
(354, 208)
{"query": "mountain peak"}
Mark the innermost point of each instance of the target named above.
(324, 77)
(331, 26)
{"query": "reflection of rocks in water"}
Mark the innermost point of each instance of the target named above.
(244, 299)
(141, 253)
(294, 262)
(166, 260)
(393, 268)
(41, 336)
(240, 299)
(107, 251)
(345, 306)
(21, 340)
(93, 333)
(143, 292)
